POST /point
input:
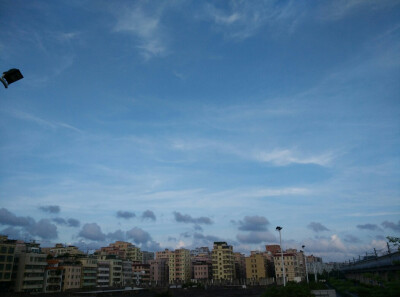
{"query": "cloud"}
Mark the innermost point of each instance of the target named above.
(68, 222)
(92, 231)
(170, 238)
(371, 227)
(138, 235)
(16, 233)
(44, 229)
(148, 214)
(8, 218)
(125, 214)
(256, 237)
(116, 235)
(146, 27)
(317, 227)
(50, 208)
(390, 225)
(73, 222)
(243, 19)
(351, 239)
(200, 239)
(254, 223)
(286, 157)
(181, 218)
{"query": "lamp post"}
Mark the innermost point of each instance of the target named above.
(305, 261)
(11, 76)
(278, 228)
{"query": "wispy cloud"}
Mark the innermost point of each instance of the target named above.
(40, 121)
(146, 27)
(286, 156)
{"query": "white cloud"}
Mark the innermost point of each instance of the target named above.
(286, 157)
(146, 27)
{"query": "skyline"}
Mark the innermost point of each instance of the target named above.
(182, 123)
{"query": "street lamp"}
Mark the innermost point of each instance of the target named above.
(11, 76)
(305, 260)
(278, 228)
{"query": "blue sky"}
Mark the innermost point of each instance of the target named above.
(177, 123)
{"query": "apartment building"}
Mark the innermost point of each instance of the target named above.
(223, 265)
(127, 273)
(7, 252)
(103, 273)
(147, 257)
(256, 267)
(163, 254)
(71, 276)
(141, 273)
(202, 270)
(29, 267)
(179, 266)
(294, 265)
(60, 249)
(240, 266)
(88, 272)
(115, 272)
(129, 251)
(53, 277)
(159, 270)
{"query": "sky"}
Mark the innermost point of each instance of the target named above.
(175, 124)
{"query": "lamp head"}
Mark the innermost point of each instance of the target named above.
(12, 75)
(278, 228)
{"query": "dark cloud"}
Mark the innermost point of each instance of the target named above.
(351, 239)
(254, 223)
(317, 227)
(92, 231)
(68, 222)
(148, 214)
(8, 218)
(184, 218)
(151, 246)
(59, 221)
(73, 222)
(44, 229)
(117, 235)
(138, 235)
(256, 237)
(391, 225)
(50, 208)
(125, 214)
(198, 228)
(205, 239)
(371, 227)
(186, 235)
(380, 237)
(16, 233)
(171, 238)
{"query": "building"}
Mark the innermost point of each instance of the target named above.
(223, 265)
(29, 268)
(273, 248)
(240, 266)
(163, 254)
(141, 273)
(115, 272)
(88, 272)
(129, 251)
(7, 252)
(256, 267)
(60, 249)
(202, 270)
(147, 257)
(179, 266)
(103, 273)
(159, 271)
(294, 265)
(71, 276)
(53, 277)
(127, 273)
